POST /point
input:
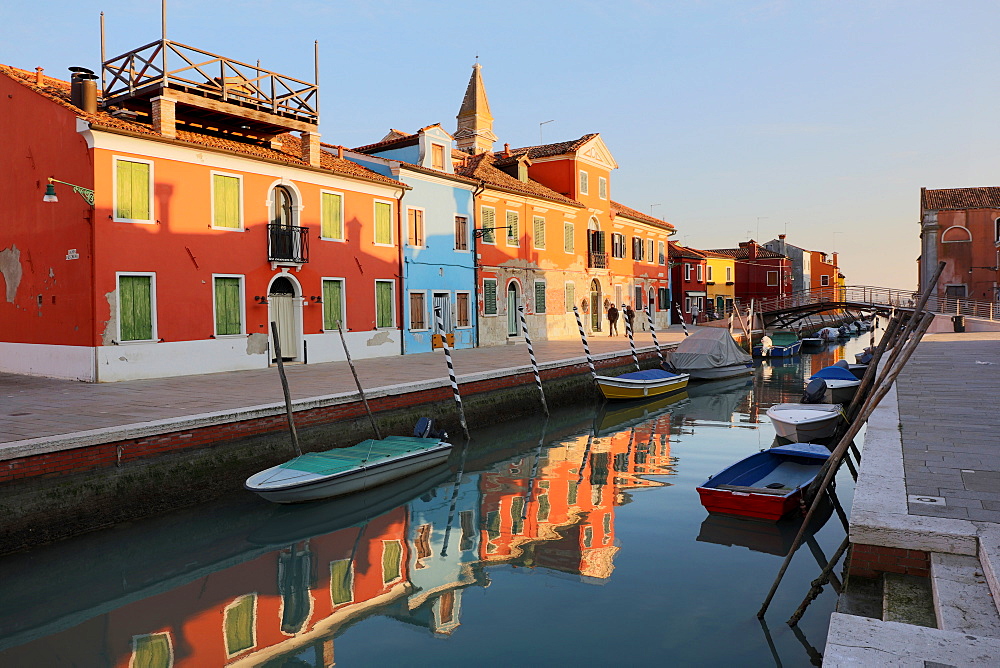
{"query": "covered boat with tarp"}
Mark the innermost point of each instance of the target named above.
(711, 354)
(841, 384)
(779, 343)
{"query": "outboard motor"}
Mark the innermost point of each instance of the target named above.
(815, 391)
(843, 364)
(425, 429)
(866, 358)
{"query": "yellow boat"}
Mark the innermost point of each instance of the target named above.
(639, 384)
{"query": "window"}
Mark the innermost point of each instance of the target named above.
(687, 271)
(661, 252)
(415, 227)
(568, 237)
(239, 624)
(461, 233)
(570, 290)
(383, 223)
(701, 272)
(513, 229)
(418, 310)
(392, 560)
(729, 274)
(650, 257)
(687, 304)
(384, 304)
(437, 156)
(824, 281)
(152, 651)
(333, 303)
(490, 296)
(584, 183)
(997, 232)
(135, 307)
(462, 314)
(539, 296)
(710, 279)
(517, 515)
(602, 187)
(637, 248)
(772, 278)
(617, 245)
(663, 299)
(489, 218)
(332, 212)
(133, 191)
(538, 223)
(226, 210)
(228, 305)
(341, 581)
(282, 212)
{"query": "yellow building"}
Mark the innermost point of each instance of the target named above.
(720, 288)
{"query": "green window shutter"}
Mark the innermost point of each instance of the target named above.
(493, 524)
(135, 307)
(539, 225)
(543, 507)
(489, 296)
(226, 193)
(333, 221)
(341, 582)
(333, 303)
(584, 183)
(602, 188)
(227, 307)
(152, 651)
(383, 304)
(568, 237)
(392, 558)
(132, 190)
(489, 222)
(383, 223)
(516, 515)
(574, 488)
(513, 229)
(539, 297)
(239, 621)
(570, 296)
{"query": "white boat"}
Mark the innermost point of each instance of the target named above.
(841, 384)
(322, 475)
(711, 354)
(803, 423)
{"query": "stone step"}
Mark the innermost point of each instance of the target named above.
(963, 601)
(908, 599)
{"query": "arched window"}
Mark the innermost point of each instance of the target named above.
(996, 236)
(282, 211)
(956, 233)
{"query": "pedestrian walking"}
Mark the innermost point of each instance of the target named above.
(612, 321)
(629, 316)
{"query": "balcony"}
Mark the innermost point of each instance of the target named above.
(287, 244)
(597, 260)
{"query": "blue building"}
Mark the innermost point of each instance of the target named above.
(438, 263)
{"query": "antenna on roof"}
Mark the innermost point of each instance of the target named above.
(540, 130)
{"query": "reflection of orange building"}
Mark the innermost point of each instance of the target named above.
(282, 601)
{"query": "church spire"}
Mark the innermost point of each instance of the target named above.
(475, 122)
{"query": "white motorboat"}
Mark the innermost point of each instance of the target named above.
(841, 384)
(803, 423)
(711, 354)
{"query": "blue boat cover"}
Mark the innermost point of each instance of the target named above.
(834, 373)
(650, 374)
(813, 450)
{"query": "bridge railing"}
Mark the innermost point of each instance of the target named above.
(858, 295)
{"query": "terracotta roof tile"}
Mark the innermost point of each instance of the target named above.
(619, 209)
(744, 253)
(676, 250)
(59, 92)
(960, 198)
(481, 168)
(559, 148)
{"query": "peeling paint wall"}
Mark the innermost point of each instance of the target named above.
(10, 267)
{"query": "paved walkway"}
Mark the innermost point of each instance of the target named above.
(929, 485)
(33, 408)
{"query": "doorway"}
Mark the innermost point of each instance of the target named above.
(513, 301)
(596, 307)
(442, 300)
(281, 299)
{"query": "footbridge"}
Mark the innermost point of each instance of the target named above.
(785, 310)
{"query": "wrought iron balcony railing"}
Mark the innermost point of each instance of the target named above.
(597, 260)
(287, 243)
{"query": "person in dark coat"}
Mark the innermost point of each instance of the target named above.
(612, 321)
(629, 316)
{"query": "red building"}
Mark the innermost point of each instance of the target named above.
(689, 275)
(760, 273)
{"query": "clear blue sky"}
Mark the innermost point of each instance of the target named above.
(734, 117)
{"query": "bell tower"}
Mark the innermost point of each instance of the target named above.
(475, 122)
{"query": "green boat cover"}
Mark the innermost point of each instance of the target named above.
(783, 338)
(371, 451)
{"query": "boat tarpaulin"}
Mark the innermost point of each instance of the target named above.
(708, 348)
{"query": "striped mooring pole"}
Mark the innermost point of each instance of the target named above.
(583, 337)
(680, 316)
(652, 330)
(451, 371)
(631, 341)
(534, 362)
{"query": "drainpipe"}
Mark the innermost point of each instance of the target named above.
(399, 293)
(475, 256)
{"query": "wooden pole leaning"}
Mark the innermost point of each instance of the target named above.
(631, 343)
(830, 467)
(677, 310)
(586, 348)
(652, 330)
(357, 382)
(451, 372)
(284, 389)
(891, 330)
(534, 362)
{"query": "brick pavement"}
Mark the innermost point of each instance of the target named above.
(32, 408)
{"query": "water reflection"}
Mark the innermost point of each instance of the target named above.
(248, 583)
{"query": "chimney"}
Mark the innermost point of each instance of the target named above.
(506, 149)
(310, 148)
(39, 77)
(340, 152)
(79, 74)
(164, 118)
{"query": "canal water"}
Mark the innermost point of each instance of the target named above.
(574, 540)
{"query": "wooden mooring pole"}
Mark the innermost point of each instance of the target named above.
(357, 382)
(534, 362)
(284, 389)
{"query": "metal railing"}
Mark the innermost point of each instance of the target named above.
(597, 260)
(287, 243)
(209, 75)
(867, 295)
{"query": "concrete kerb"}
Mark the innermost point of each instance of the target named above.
(57, 443)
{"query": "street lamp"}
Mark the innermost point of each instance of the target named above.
(50, 191)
